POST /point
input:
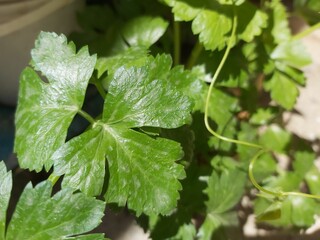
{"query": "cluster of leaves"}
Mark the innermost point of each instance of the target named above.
(148, 148)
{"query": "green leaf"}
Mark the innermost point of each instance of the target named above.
(303, 162)
(313, 180)
(131, 57)
(223, 191)
(137, 97)
(213, 37)
(147, 185)
(263, 116)
(148, 100)
(303, 210)
(144, 30)
(293, 53)
(251, 23)
(275, 138)
(46, 109)
(222, 106)
(273, 212)
(83, 167)
(191, 83)
(283, 90)
(213, 20)
(5, 191)
(39, 216)
(280, 29)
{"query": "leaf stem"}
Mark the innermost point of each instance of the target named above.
(86, 116)
(197, 49)
(176, 43)
(306, 32)
(99, 87)
(53, 179)
(252, 178)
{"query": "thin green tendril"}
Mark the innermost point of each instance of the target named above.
(214, 78)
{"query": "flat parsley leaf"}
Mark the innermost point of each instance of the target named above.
(213, 20)
(142, 169)
(39, 216)
(45, 109)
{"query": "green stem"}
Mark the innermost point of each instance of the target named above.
(306, 32)
(99, 87)
(176, 43)
(86, 116)
(197, 49)
(275, 194)
(252, 178)
(215, 76)
(53, 179)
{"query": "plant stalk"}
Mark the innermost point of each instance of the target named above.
(195, 53)
(176, 43)
(86, 116)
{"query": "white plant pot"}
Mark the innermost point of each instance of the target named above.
(20, 23)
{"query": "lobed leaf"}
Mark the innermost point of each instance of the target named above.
(213, 20)
(144, 30)
(283, 90)
(223, 191)
(40, 216)
(45, 109)
(137, 97)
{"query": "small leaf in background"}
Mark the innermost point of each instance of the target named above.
(280, 29)
(283, 90)
(40, 216)
(144, 30)
(251, 23)
(263, 115)
(303, 162)
(293, 53)
(273, 212)
(275, 138)
(5, 192)
(213, 20)
(303, 210)
(45, 110)
(313, 180)
(131, 57)
(265, 167)
(223, 191)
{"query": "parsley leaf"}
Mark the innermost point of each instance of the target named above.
(46, 109)
(204, 15)
(137, 97)
(39, 216)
